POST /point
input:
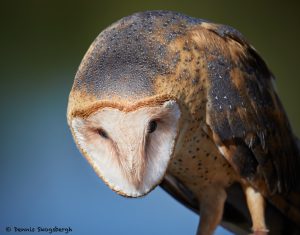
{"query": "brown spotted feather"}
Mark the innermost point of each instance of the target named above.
(246, 117)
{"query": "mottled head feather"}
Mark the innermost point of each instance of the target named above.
(126, 58)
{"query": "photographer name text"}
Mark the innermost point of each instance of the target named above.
(39, 229)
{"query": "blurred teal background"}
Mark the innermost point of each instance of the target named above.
(44, 181)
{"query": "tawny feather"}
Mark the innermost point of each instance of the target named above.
(219, 119)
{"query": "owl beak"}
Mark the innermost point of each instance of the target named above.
(135, 167)
(130, 160)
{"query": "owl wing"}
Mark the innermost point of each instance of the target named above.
(245, 117)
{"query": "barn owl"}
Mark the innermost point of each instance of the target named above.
(161, 98)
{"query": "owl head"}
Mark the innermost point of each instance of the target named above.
(124, 110)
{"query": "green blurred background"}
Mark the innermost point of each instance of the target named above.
(44, 180)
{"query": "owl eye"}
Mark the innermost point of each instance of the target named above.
(152, 126)
(103, 133)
